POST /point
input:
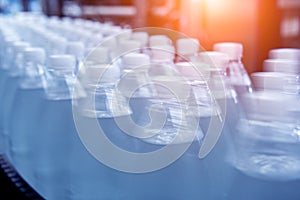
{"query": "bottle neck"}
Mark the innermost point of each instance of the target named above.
(17, 65)
(238, 75)
(32, 75)
(59, 84)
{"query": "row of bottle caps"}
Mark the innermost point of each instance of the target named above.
(65, 44)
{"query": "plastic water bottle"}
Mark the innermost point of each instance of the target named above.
(5, 63)
(216, 102)
(220, 83)
(11, 85)
(26, 109)
(236, 70)
(267, 140)
(98, 77)
(55, 129)
(177, 129)
(94, 180)
(136, 86)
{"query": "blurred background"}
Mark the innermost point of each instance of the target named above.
(258, 25)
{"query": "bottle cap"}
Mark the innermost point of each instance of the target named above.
(124, 34)
(267, 105)
(20, 46)
(76, 49)
(11, 38)
(232, 49)
(62, 62)
(282, 65)
(214, 59)
(35, 55)
(141, 37)
(131, 82)
(159, 40)
(102, 73)
(193, 70)
(58, 45)
(187, 46)
(272, 80)
(168, 86)
(135, 60)
(285, 53)
(110, 42)
(162, 53)
(128, 46)
(98, 55)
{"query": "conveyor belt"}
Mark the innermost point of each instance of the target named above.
(12, 186)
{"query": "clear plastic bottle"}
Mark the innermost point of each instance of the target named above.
(98, 77)
(25, 112)
(227, 112)
(55, 129)
(267, 140)
(167, 102)
(103, 104)
(236, 71)
(11, 85)
(136, 86)
(5, 63)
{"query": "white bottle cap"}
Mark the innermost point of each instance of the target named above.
(159, 40)
(141, 37)
(214, 59)
(131, 81)
(271, 80)
(62, 62)
(58, 45)
(285, 53)
(124, 34)
(9, 42)
(76, 49)
(128, 46)
(37, 55)
(11, 38)
(282, 65)
(98, 55)
(102, 73)
(265, 105)
(193, 70)
(135, 60)
(20, 46)
(232, 49)
(187, 46)
(110, 42)
(110, 30)
(162, 53)
(168, 86)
